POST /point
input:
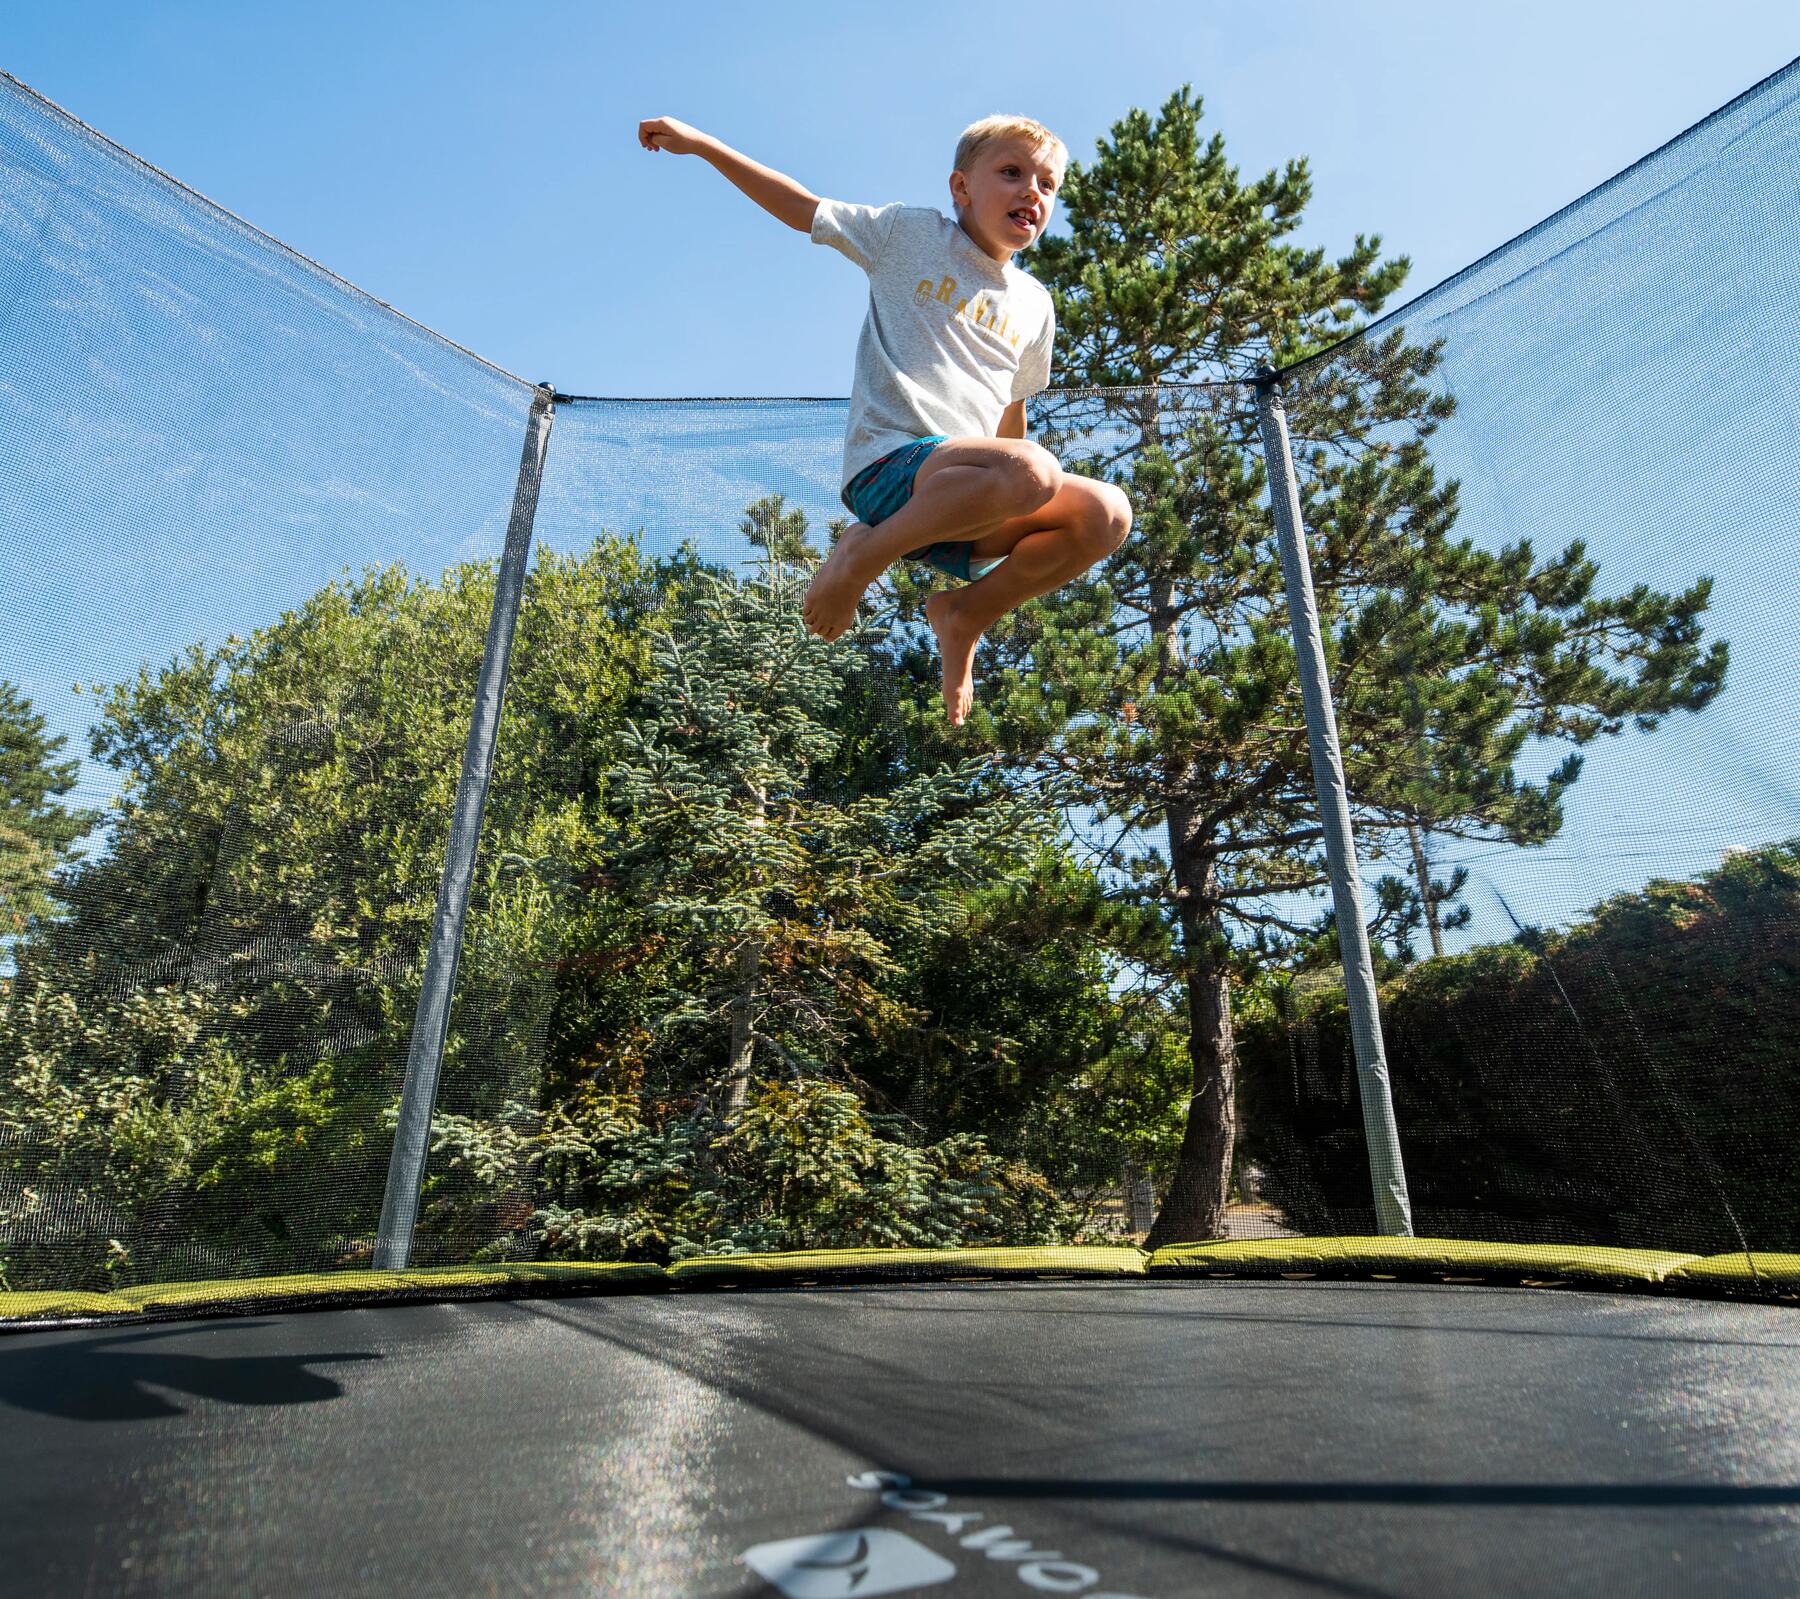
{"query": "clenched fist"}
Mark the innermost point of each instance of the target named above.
(665, 133)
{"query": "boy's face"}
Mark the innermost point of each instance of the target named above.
(1004, 202)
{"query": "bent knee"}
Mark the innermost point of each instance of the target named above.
(1034, 475)
(1108, 519)
(1118, 510)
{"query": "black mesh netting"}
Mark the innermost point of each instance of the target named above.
(762, 953)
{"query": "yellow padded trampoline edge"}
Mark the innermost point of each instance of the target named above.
(1413, 1257)
(1760, 1271)
(1774, 1277)
(235, 1295)
(841, 1264)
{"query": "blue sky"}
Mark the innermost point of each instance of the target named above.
(476, 164)
(478, 168)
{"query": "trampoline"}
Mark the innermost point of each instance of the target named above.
(1297, 1096)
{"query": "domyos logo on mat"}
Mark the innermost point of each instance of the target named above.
(873, 1560)
(835, 1565)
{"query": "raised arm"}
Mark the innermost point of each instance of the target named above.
(776, 193)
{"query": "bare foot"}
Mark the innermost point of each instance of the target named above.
(829, 608)
(957, 639)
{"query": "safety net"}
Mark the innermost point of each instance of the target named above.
(766, 965)
(1552, 507)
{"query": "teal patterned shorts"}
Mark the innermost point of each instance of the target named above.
(883, 486)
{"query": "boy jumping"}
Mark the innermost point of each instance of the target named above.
(937, 467)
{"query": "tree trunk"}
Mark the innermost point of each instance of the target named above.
(1427, 897)
(743, 1042)
(1195, 1204)
(1140, 1200)
(749, 967)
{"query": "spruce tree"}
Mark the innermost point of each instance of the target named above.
(1166, 687)
(787, 899)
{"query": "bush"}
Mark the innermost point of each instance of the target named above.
(1632, 1081)
(803, 1166)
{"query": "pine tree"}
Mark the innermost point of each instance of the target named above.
(36, 829)
(1167, 687)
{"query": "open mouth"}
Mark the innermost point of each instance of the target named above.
(1023, 220)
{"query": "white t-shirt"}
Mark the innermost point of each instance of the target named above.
(952, 336)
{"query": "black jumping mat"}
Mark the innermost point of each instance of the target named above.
(1143, 1439)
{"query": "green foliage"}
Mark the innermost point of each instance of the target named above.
(1629, 1081)
(37, 831)
(93, 1142)
(789, 903)
(194, 1059)
(1023, 1031)
(803, 1165)
(202, 1058)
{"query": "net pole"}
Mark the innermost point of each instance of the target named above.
(1393, 1209)
(431, 1022)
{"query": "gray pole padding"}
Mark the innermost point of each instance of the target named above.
(1393, 1211)
(431, 1024)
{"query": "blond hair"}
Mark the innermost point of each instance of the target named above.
(989, 130)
